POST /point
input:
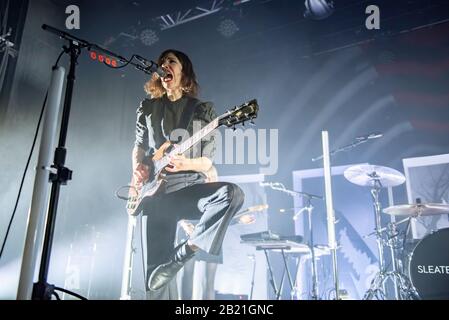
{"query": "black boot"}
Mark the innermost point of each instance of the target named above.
(165, 272)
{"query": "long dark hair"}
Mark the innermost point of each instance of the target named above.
(189, 83)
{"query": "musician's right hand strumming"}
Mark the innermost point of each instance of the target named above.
(141, 174)
(188, 227)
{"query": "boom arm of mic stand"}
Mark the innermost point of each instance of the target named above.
(91, 46)
(344, 148)
(294, 193)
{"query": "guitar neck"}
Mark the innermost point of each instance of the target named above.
(187, 144)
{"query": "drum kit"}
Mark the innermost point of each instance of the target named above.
(424, 272)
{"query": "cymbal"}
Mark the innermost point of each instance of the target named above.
(366, 175)
(417, 210)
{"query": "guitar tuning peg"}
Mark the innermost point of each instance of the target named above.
(243, 123)
(252, 122)
(233, 128)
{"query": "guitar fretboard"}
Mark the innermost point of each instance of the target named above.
(186, 145)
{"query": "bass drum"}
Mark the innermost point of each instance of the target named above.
(429, 266)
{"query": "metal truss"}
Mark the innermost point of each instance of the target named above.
(175, 19)
(179, 17)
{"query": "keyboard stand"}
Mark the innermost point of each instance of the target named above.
(286, 270)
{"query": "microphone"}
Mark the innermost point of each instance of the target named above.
(373, 135)
(151, 66)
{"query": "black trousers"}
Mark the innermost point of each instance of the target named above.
(214, 204)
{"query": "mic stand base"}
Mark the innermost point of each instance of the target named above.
(42, 291)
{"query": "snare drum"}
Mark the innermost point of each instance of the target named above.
(429, 266)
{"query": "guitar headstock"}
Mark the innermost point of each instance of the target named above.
(245, 112)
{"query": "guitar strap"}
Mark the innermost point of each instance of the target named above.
(187, 114)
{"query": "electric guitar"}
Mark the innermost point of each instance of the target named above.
(161, 158)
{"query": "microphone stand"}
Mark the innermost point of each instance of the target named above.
(42, 290)
(331, 215)
(309, 208)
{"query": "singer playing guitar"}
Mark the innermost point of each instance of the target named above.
(184, 193)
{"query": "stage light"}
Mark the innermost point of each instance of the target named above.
(228, 28)
(318, 9)
(148, 37)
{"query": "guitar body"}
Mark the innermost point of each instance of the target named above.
(149, 188)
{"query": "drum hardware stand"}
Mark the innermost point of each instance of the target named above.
(309, 208)
(402, 285)
(391, 243)
(378, 280)
(377, 286)
(378, 177)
